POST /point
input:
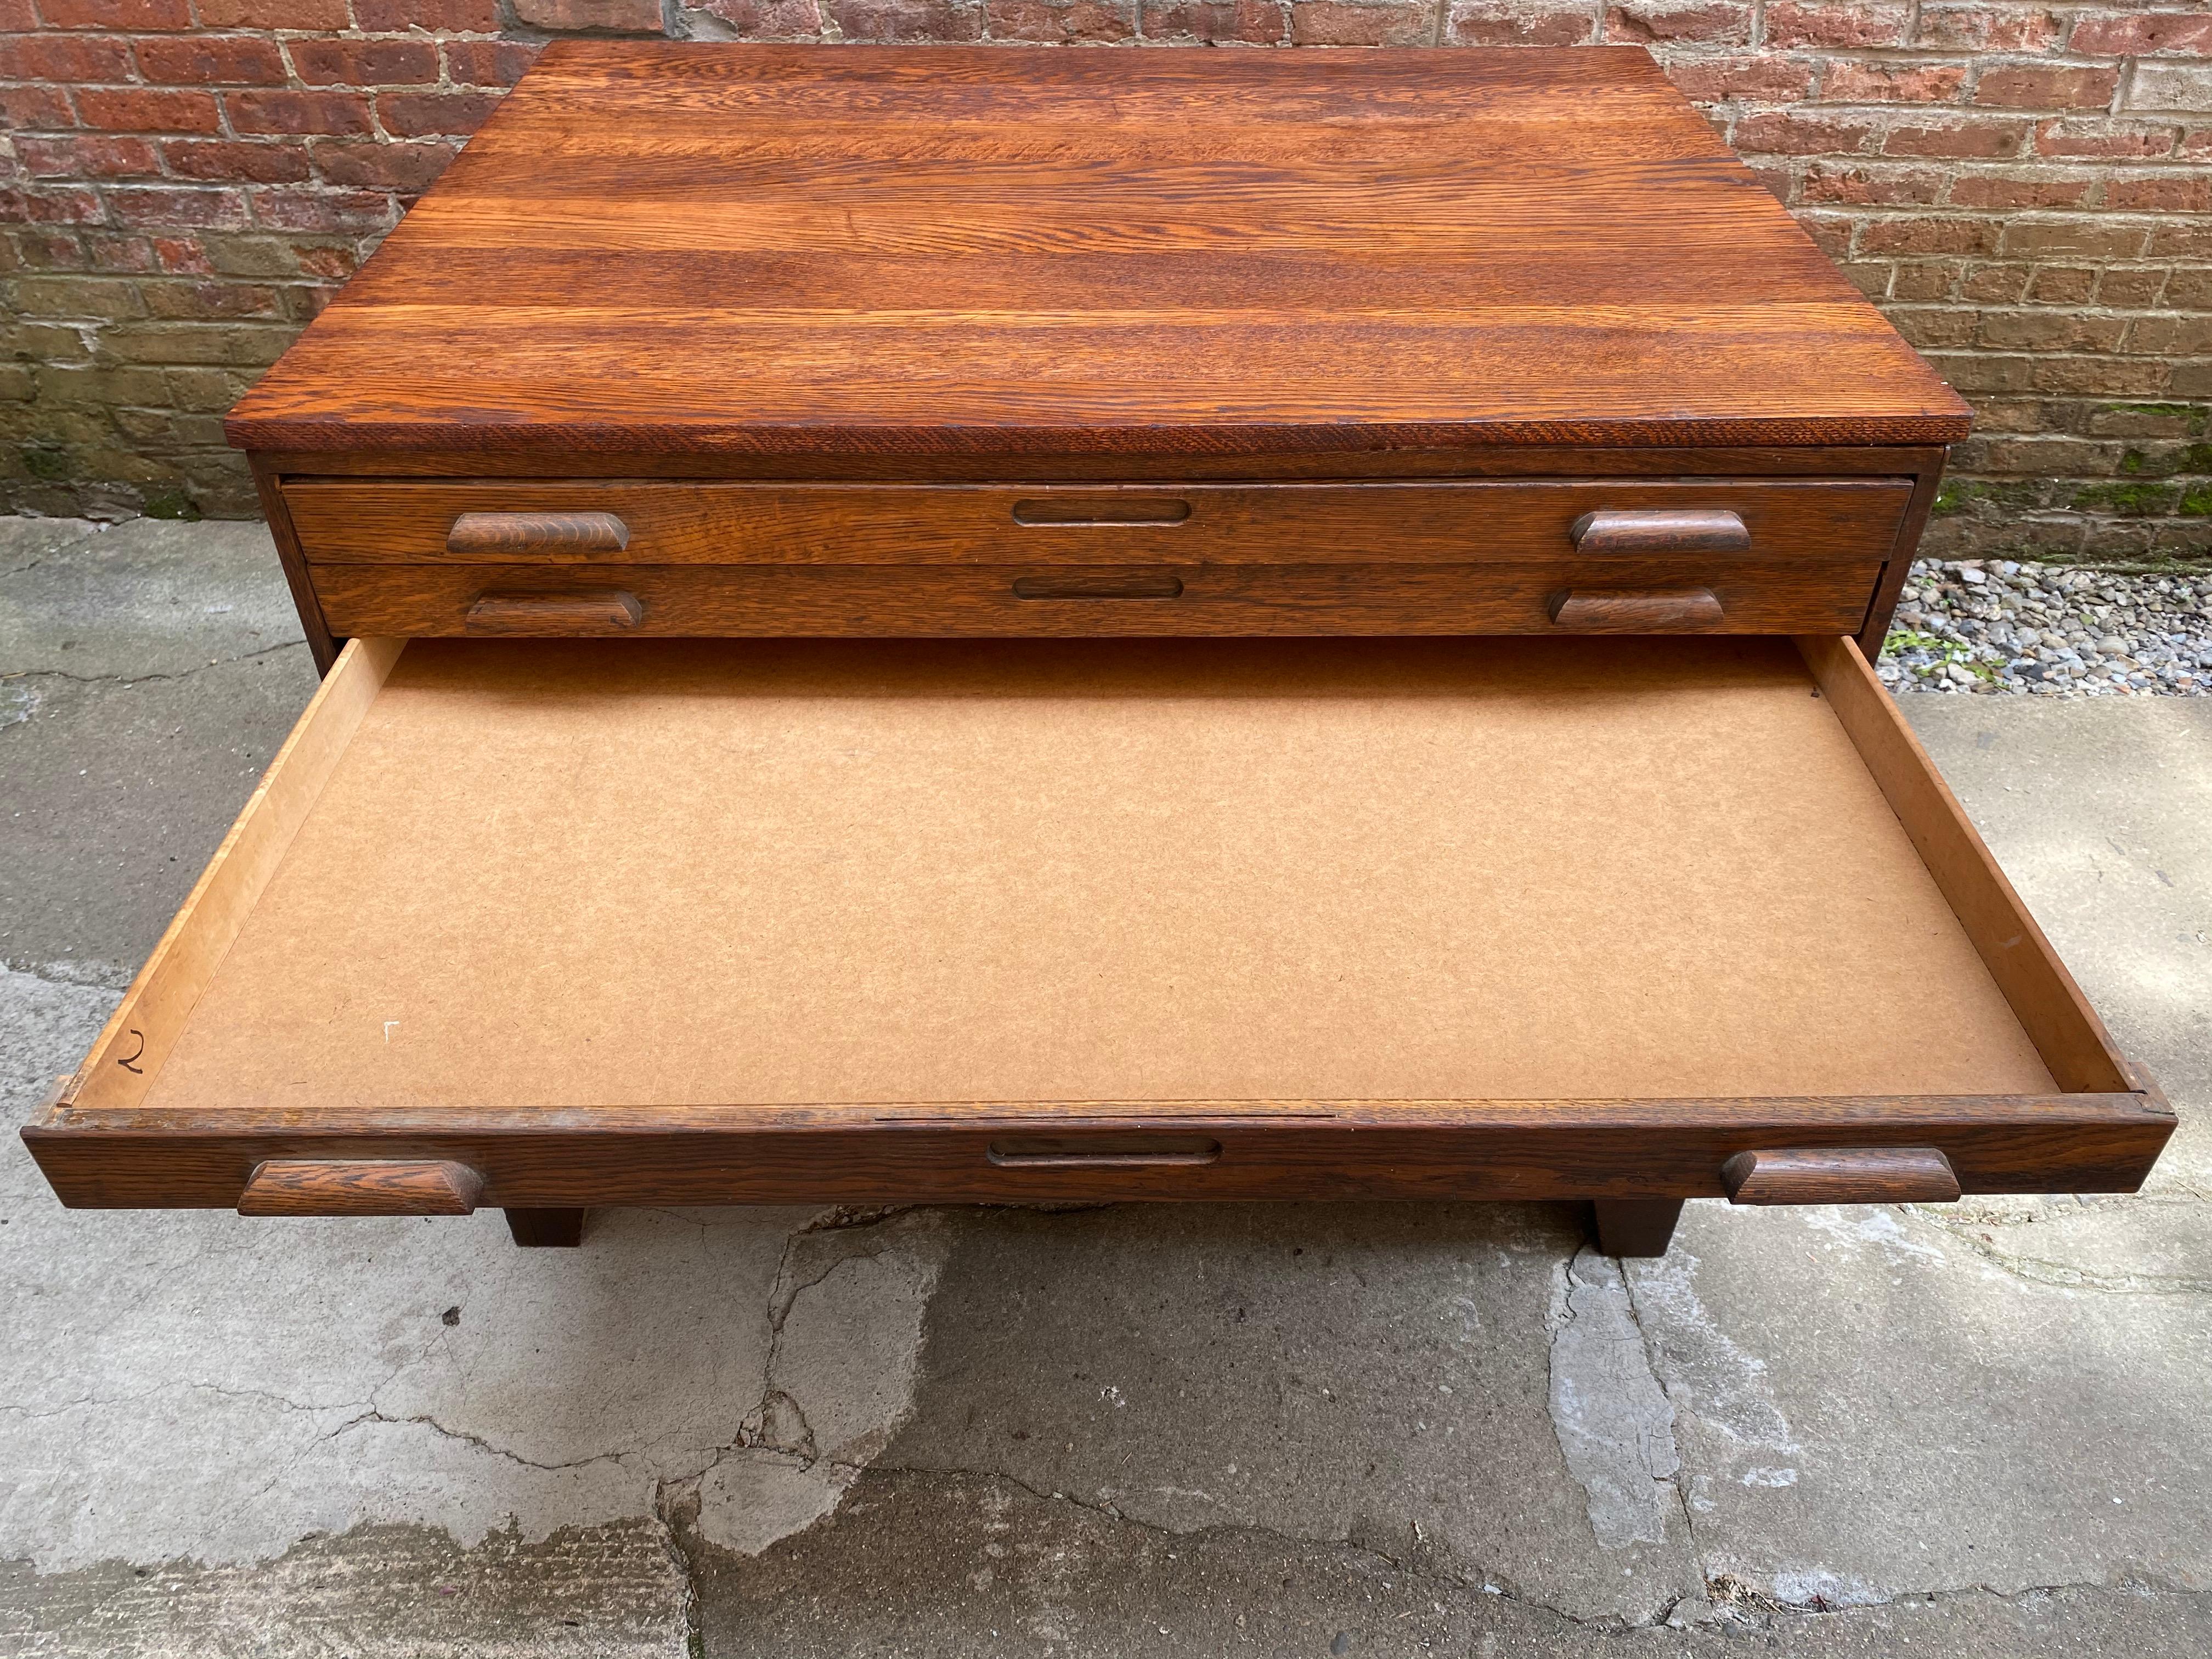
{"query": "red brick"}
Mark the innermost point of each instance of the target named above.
(226, 161)
(328, 211)
(1921, 233)
(2177, 191)
(501, 63)
(2088, 239)
(1924, 279)
(2198, 141)
(2172, 336)
(132, 109)
(64, 205)
(1759, 77)
(434, 114)
(2181, 238)
(614, 17)
(2002, 284)
(1932, 326)
(1057, 21)
(293, 113)
(1996, 140)
(146, 15)
(1802, 132)
(396, 16)
(365, 62)
(2104, 138)
(87, 157)
(1874, 83)
(2063, 285)
(2136, 287)
(204, 60)
(1986, 29)
(109, 249)
(71, 59)
(769, 20)
(1872, 187)
(2006, 190)
(183, 256)
(1507, 23)
(907, 19)
(273, 14)
(383, 166)
(1657, 21)
(2190, 290)
(2023, 86)
(1860, 23)
(51, 250)
(161, 207)
(17, 17)
(34, 109)
(2141, 34)
(1333, 23)
(1250, 23)
(335, 264)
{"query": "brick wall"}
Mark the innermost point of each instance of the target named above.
(2027, 189)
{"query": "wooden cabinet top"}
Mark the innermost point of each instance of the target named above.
(816, 252)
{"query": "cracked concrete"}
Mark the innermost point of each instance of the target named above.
(1327, 1429)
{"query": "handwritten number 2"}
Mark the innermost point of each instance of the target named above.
(125, 1061)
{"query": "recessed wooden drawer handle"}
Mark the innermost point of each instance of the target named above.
(1133, 1152)
(1077, 511)
(366, 1187)
(1620, 610)
(1660, 533)
(538, 533)
(554, 613)
(1841, 1175)
(1098, 588)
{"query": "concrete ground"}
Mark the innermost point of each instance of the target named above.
(1373, 1430)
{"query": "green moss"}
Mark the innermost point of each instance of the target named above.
(49, 464)
(2198, 503)
(1950, 498)
(2129, 499)
(169, 501)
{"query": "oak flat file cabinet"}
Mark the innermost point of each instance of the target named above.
(947, 624)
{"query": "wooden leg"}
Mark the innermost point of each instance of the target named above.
(546, 1227)
(1637, 1226)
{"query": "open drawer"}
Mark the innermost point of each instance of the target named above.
(552, 924)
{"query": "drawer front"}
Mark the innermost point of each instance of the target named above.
(1777, 521)
(1559, 596)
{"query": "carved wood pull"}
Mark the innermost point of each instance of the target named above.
(1841, 1175)
(1618, 610)
(551, 614)
(1659, 532)
(538, 533)
(1109, 1153)
(364, 1186)
(1101, 586)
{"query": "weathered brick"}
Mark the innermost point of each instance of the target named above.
(2170, 191)
(2039, 86)
(2180, 239)
(209, 300)
(87, 157)
(1763, 77)
(2063, 285)
(1917, 234)
(1874, 81)
(117, 251)
(616, 16)
(230, 161)
(2134, 287)
(433, 114)
(501, 63)
(1804, 132)
(60, 205)
(1933, 325)
(1962, 138)
(69, 58)
(1519, 23)
(2140, 34)
(33, 109)
(1996, 285)
(2050, 331)
(246, 344)
(1924, 279)
(1871, 186)
(1848, 23)
(1058, 21)
(761, 20)
(133, 109)
(1711, 22)
(2098, 377)
(364, 63)
(274, 14)
(456, 16)
(2186, 88)
(2021, 190)
(328, 211)
(185, 256)
(409, 167)
(1247, 22)
(2079, 137)
(110, 297)
(1363, 23)
(163, 207)
(2191, 288)
(210, 60)
(1987, 28)
(2174, 335)
(2090, 239)
(326, 112)
(907, 19)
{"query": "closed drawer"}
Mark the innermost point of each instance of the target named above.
(1556, 596)
(545, 923)
(396, 522)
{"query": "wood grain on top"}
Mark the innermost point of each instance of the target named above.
(808, 251)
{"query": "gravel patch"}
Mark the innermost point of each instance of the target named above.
(1993, 626)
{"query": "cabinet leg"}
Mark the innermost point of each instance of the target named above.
(1637, 1226)
(546, 1227)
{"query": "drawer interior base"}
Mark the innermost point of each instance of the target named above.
(576, 874)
